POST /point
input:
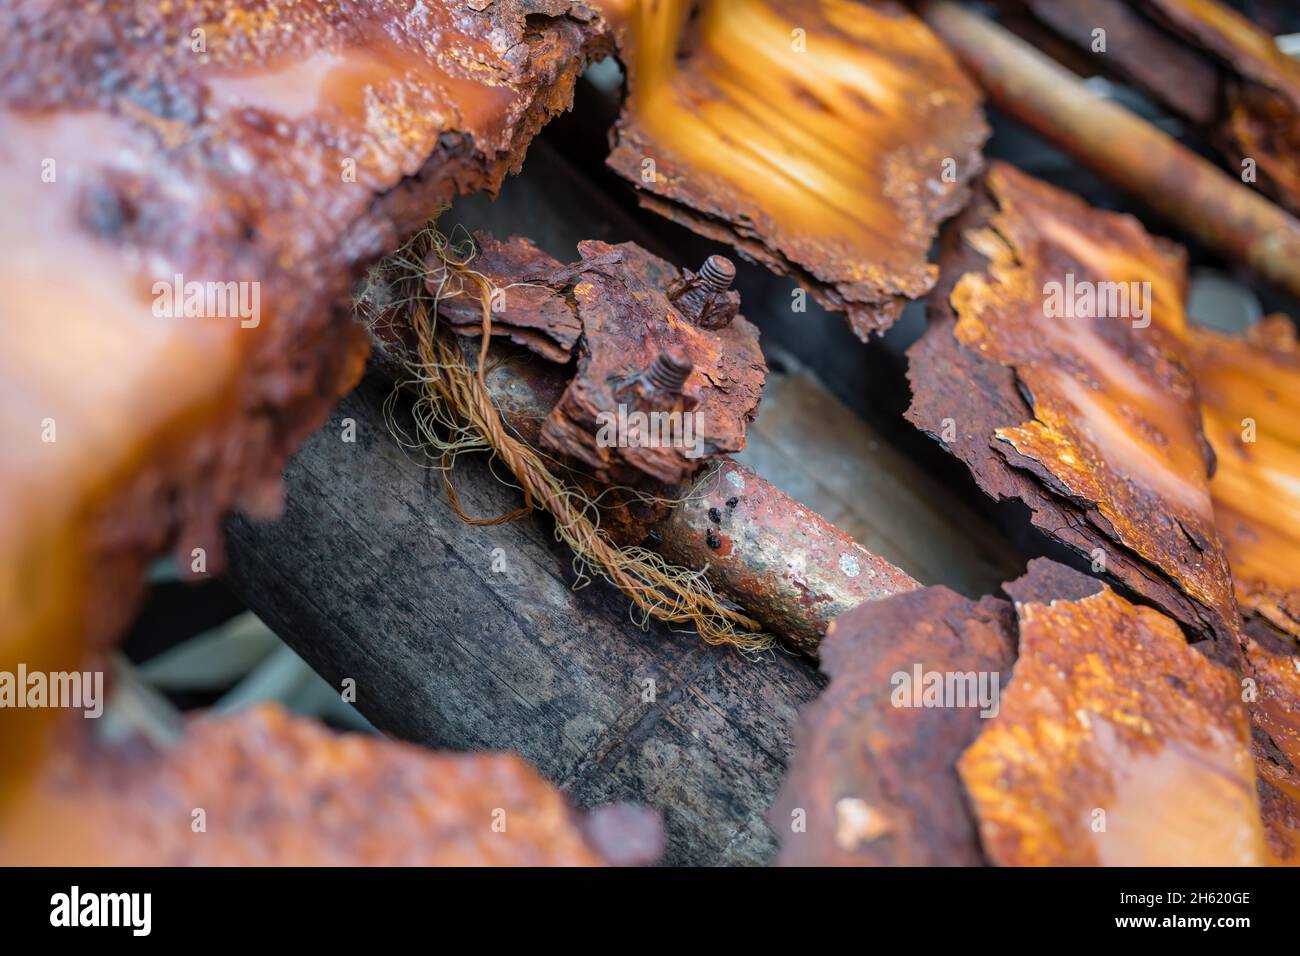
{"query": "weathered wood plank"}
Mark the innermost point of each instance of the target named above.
(369, 575)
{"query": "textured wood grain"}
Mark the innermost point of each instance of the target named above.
(369, 575)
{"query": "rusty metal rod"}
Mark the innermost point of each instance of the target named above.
(1218, 209)
(787, 566)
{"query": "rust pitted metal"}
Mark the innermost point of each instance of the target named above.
(655, 396)
(278, 790)
(1250, 402)
(1115, 744)
(786, 565)
(1091, 419)
(1273, 664)
(873, 782)
(825, 140)
(1210, 65)
(269, 145)
(763, 551)
(1260, 98)
(525, 308)
(1207, 202)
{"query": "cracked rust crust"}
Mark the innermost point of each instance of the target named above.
(526, 310)
(1274, 664)
(1091, 422)
(282, 144)
(1250, 401)
(877, 784)
(812, 137)
(279, 790)
(1116, 743)
(620, 293)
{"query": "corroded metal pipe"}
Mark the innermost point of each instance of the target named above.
(1219, 210)
(782, 562)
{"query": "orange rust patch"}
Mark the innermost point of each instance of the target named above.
(825, 140)
(1089, 416)
(1250, 402)
(1116, 744)
(283, 791)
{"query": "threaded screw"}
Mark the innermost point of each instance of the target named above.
(717, 274)
(669, 371)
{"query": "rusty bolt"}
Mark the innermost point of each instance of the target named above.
(717, 274)
(669, 371)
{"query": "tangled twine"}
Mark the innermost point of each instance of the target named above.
(454, 413)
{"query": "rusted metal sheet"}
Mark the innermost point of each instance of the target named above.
(780, 561)
(263, 788)
(1139, 50)
(1261, 92)
(1088, 416)
(874, 781)
(1116, 743)
(1273, 699)
(1210, 65)
(262, 149)
(1250, 402)
(826, 141)
(1215, 207)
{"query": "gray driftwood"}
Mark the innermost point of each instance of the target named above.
(369, 575)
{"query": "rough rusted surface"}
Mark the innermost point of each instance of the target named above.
(826, 141)
(1210, 65)
(1273, 663)
(641, 358)
(785, 564)
(1139, 51)
(1116, 742)
(874, 783)
(1091, 421)
(1250, 402)
(525, 308)
(761, 550)
(268, 142)
(1260, 100)
(1211, 204)
(277, 790)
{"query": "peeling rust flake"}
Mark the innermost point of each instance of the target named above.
(1250, 402)
(526, 309)
(874, 777)
(278, 790)
(825, 140)
(260, 152)
(1108, 741)
(1055, 367)
(1116, 743)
